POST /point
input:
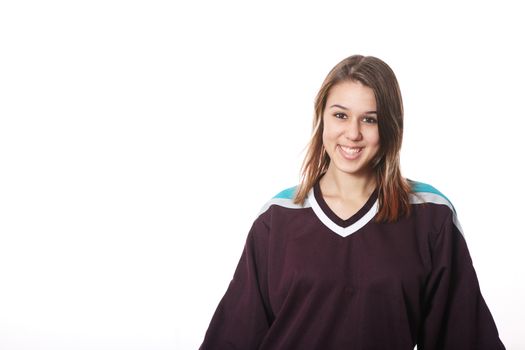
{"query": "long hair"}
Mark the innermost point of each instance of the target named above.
(393, 189)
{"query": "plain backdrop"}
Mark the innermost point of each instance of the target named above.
(139, 139)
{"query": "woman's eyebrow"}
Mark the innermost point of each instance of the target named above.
(343, 107)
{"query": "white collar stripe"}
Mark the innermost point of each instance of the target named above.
(341, 231)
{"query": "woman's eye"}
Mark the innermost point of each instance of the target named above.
(370, 120)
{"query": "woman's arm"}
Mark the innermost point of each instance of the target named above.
(456, 315)
(243, 316)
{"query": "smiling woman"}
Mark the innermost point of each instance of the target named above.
(351, 135)
(356, 256)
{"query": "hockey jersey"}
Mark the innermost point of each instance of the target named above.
(308, 279)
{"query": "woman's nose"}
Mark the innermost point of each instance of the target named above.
(353, 131)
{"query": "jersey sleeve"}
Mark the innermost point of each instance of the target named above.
(456, 315)
(243, 316)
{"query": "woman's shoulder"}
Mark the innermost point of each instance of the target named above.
(283, 199)
(425, 193)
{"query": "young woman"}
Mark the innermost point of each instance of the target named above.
(355, 256)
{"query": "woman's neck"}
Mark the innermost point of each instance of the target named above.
(335, 183)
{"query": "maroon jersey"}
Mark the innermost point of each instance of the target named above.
(308, 279)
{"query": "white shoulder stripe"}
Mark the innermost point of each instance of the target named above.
(428, 197)
(283, 202)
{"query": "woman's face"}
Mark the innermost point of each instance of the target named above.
(351, 134)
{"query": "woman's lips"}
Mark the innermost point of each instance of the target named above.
(350, 153)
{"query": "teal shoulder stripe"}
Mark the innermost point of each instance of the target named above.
(423, 187)
(286, 194)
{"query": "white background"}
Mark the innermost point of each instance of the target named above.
(139, 139)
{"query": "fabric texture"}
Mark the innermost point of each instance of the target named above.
(308, 279)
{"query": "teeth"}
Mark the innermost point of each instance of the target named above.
(350, 150)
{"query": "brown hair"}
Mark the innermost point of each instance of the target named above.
(393, 189)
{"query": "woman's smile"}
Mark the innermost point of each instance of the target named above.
(350, 153)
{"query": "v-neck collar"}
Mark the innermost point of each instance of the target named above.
(340, 226)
